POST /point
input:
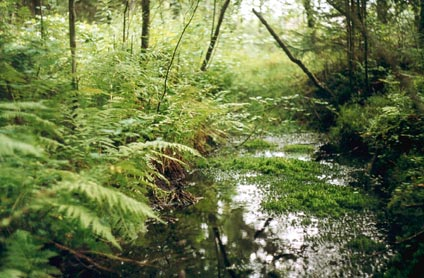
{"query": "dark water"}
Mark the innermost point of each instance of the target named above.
(228, 235)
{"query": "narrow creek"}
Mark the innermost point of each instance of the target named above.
(228, 234)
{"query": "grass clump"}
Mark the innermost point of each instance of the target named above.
(258, 144)
(299, 148)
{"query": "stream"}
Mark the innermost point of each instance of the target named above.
(228, 234)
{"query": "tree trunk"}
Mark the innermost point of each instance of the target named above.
(310, 75)
(215, 36)
(124, 21)
(382, 11)
(349, 42)
(365, 37)
(421, 23)
(35, 7)
(310, 20)
(42, 33)
(72, 44)
(145, 6)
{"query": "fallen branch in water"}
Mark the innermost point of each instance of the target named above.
(80, 255)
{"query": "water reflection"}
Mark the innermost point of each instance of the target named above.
(228, 235)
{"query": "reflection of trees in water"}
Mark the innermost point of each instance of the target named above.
(218, 237)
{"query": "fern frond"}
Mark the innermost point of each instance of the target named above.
(10, 272)
(32, 119)
(9, 146)
(23, 105)
(88, 220)
(157, 145)
(24, 255)
(105, 196)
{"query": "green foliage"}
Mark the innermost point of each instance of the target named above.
(365, 244)
(90, 163)
(25, 256)
(258, 144)
(302, 148)
(296, 185)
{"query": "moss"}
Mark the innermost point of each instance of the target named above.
(299, 148)
(258, 144)
(318, 198)
(296, 185)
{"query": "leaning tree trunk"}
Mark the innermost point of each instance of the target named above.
(214, 38)
(73, 44)
(145, 6)
(310, 75)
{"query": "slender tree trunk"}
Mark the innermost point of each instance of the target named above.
(168, 70)
(365, 35)
(42, 33)
(145, 6)
(349, 42)
(310, 20)
(124, 21)
(213, 18)
(382, 11)
(72, 43)
(35, 7)
(215, 36)
(310, 75)
(421, 23)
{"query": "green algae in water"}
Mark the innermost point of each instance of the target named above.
(258, 145)
(320, 199)
(299, 149)
(297, 185)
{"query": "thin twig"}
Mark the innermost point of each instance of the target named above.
(410, 237)
(165, 87)
(123, 259)
(80, 255)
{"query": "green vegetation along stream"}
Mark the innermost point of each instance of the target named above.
(269, 211)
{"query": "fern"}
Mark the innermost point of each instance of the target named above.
(104, 196)
(95, 207)
(9, 146)
(23, 105)
(25, 257)
(34, 120)
(87, 220)
(137, 148)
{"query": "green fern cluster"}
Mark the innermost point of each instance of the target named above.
(77, 168)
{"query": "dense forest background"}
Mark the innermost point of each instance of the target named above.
(105, 105)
